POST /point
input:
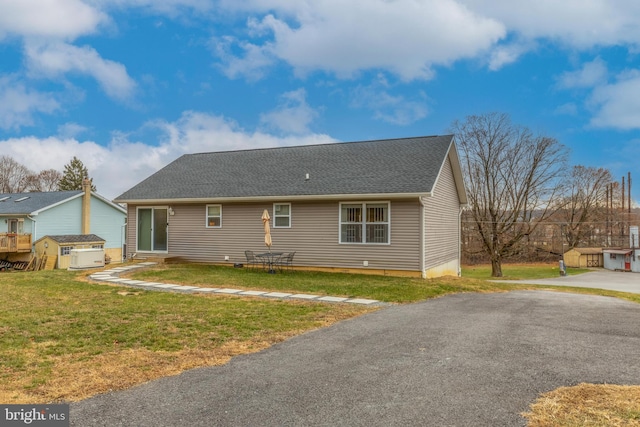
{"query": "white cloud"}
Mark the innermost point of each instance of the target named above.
(293, 115)
(576, 23)
(411, 37)
(70, 130)
(614, 101)
(60, 19)
(567, 109)
(196, 132)
(394, 109)
(18, 103)
(406, 37)
(591, 74)
(125, 162)
(55, 59)
(617, 104)
(252, 65)
(506, 54)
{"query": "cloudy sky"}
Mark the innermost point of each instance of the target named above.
(129, 85)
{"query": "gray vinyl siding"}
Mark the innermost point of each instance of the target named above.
(130, 231)
(441, 221)
(314, 235)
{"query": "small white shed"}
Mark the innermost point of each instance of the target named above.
(617, 259)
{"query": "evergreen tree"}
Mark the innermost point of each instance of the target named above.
(74, 173)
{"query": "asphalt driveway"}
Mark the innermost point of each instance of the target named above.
(459, 360)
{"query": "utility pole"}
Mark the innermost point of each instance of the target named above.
(622, 213)
(606, 213)
(623, 205)
(629, 189)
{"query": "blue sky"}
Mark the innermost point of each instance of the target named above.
(127, 86)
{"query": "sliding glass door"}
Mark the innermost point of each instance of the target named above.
(152, 229)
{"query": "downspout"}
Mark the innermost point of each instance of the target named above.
(123, 254)
(461, 208)
(423, 239)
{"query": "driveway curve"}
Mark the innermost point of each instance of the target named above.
(459, 360)
(599, 279)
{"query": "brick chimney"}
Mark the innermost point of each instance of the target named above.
(86, 206)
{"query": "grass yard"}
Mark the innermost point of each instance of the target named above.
(587, 405)
(382, 288)
(519, 271)
(63, 339)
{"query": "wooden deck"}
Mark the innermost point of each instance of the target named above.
(15, 243)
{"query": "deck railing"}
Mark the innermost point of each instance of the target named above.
(12, 242)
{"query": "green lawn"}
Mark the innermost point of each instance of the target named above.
(63, 338)
(382, 288)
(55, 327)
(518, 271)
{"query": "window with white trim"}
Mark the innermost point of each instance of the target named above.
(364, 223)
(214, 216)
(282, 215)
(65, 250)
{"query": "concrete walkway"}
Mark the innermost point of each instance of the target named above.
(112, 275)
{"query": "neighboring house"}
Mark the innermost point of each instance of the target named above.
(386, 206)
(29, 217)
(584, 258)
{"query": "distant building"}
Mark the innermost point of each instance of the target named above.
(584, 258)
(28, 217)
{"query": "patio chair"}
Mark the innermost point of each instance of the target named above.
(252, 260)
(285, 262)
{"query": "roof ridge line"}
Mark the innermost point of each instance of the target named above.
(315, 145)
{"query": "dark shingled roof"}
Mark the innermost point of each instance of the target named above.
(31, 202)
(393, 166)
(77, 238)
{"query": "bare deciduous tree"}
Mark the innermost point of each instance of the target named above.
(14, 177)
(512, 176)
(46, 180)
(583, 203)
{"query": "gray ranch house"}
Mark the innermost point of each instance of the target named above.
(384, 207)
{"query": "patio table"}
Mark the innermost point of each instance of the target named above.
(269, 258)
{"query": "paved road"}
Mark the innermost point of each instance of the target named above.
(600, 279)
(460, 360)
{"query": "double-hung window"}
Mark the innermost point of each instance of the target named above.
(282, 215)
(364, 223)
(214, 216)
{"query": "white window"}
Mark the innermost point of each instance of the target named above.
(97, 246)
(282, 215)
(65, 250)
(214, 216)
(364, 222)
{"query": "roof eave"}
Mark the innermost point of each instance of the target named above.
(370, 196)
